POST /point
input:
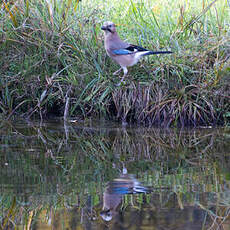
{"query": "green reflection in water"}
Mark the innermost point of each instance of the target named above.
(56, 176)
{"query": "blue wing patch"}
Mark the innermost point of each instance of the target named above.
(122, 52)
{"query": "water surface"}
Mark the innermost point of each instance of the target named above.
(98, 175)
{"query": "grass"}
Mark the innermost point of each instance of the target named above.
(48, 172)
(53, 61)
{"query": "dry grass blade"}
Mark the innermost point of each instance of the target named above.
(196, 18)
(11, 214)
(12, 16)
(51, 11)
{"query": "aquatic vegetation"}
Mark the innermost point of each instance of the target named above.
(53, 61)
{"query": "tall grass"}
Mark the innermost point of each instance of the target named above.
(53, 60)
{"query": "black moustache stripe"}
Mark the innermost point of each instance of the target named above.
(109, 30)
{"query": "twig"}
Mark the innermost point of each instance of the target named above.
(66, 112)
(10, 115)
(44, 93)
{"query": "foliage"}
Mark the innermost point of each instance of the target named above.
(53, 61)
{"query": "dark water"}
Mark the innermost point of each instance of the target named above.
(97, 175)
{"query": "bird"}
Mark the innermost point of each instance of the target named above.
(116, 190)
(121, 52)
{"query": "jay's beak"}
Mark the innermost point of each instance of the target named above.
(104, 28)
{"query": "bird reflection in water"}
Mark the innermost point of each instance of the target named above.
(115, 191)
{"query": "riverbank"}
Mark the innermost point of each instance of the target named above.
(53, 62)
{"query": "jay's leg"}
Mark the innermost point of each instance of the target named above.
(125, 73)
(116, 72)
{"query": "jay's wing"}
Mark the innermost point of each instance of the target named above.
(135, 48)
(128, 50)
(122, 52)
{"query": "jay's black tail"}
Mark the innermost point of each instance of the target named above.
(157, 52)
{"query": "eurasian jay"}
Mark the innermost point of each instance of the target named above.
(115, 191)
(123, 53)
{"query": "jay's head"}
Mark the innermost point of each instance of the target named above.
(109, 27)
